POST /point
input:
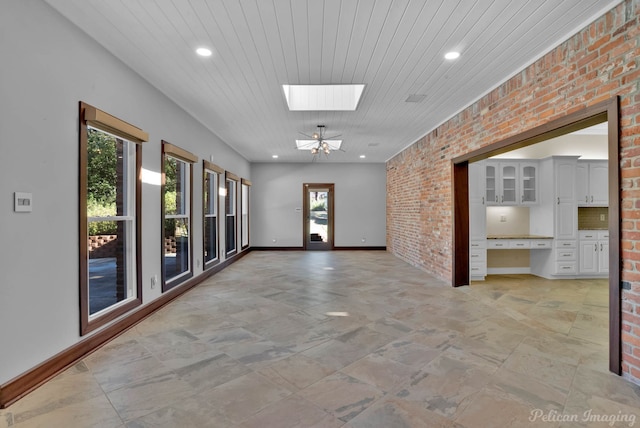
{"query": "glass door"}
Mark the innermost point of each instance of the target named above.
(318, 216)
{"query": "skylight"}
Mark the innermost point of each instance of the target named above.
(322, 97)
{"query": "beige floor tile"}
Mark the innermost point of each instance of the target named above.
(261, 343)
(296, 372)
(341, 395)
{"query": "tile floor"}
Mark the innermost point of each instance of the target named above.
(349, 339)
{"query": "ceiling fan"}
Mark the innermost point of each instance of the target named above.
(317, 143)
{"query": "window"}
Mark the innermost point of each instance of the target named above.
(109, 190)
(230, 210)
(177, 260)
(244, 211)
(210, 192)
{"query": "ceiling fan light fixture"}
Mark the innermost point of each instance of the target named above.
(314, 151)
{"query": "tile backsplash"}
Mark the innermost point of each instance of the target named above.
(590, 218)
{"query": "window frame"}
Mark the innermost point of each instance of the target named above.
(91, 117)
(245, 233)
(235, 179)
(189, 159)
(217, 172)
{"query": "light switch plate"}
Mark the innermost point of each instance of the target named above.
(22, 202)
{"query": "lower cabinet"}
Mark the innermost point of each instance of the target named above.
(478, 260)
(565, 257)
(594, 252)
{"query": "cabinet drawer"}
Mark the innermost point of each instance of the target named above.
(478, 255)
(585, 235)
(541, 243)
(566, 268)
(518, 243)
(477, 244)
(497, 243)
(603, 235)
(478, 269)
(565, 254)
(566, 244)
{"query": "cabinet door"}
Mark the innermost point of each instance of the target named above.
(509, 182)
(582, 183)
(589, 256)
(528, 183)
(566, 181)
(599, 184)
(491, 184)
(566, 221)
(603, 257)
(477, 182)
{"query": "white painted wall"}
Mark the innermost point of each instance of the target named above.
(48, 66)
(360, 202)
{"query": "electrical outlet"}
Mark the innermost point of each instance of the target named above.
(154, 281)
(601, 217)
(503, 219)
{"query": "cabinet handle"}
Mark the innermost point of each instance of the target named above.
(522, 198)
(558, 200)
(496, 198)
(502, 199)
(600, 246)
(591, 198)
(483, 200)
(586, 198)
(596, 247)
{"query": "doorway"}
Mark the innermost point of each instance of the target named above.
(318, 216)
(607, 111)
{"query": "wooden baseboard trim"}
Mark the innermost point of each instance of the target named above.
(23, 384)
(277, 249)
(360, 248)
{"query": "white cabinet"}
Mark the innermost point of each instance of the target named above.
(565, 216)
(566, 212)
(511, 183)
(594, 252)
(477, 222)
(592, 180)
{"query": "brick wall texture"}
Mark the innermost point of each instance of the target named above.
(599, 62)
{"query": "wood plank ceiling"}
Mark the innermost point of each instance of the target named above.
(395, 47)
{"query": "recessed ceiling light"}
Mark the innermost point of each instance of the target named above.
(451, 55)
(203, 52)
(275, 156)
(362, 156)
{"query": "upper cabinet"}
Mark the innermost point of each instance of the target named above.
(511, 182)
(592, 179)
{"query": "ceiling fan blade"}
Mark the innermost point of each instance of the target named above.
(331, 138)
(308, 136)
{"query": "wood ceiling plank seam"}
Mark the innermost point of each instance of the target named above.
(358, 38)
(287, 40)
(279, 121)
(405, 81)
(315, 19)
(463, 91)
(299, 24)
(381, 38)
(374, 93)
(350, 12)
(433, 98)
(219, 68)
(330, 25)
(243, 92)
(429, 79)
(266, 120)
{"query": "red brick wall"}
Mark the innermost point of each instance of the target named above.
(594, 65)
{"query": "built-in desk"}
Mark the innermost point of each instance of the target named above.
(515, 242)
